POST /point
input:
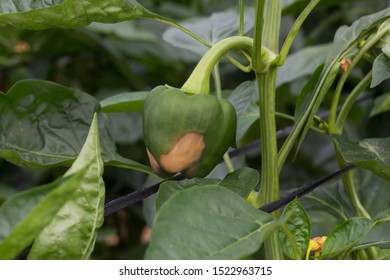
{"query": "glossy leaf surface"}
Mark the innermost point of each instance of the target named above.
(42, 14)
(372, 154)
(345, 236)
(298, 225)
(208, 222)
(57, 120)
(71, 234)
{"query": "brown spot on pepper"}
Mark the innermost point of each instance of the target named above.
(185, 154)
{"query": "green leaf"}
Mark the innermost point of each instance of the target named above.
(212, 29)
(302, 63)
(77, 198)
(242, 96)
(169, 188)
(16, 208)
(71, 234)
(345, 236)
(372, 154)
(378, 236)
(298, 225)
(327, 207)
(56, 119)
(43, 14)
(374, 193)
(208, 222)
(380, 70)
(246, 120)
(50, 115)
(381, 104)
(24, 215)
(124, 102)
(242, 181)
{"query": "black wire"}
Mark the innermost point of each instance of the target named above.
(272, 206)
(134, 197)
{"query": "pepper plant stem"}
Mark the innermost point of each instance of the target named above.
(269, 190)
(269, 185)
(267, 26)
(345, 109)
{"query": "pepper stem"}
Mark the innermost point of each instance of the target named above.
(199, 80)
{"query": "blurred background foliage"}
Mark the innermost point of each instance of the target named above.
(107, 59)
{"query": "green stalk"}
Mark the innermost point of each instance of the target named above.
(349, 186)
(228, 162)
(269, 187)
(349, 102)
(294, 31)
(382, 221)
(258, 62)
(266, 35)
(241, 7)
(217, 81)
(199, 80)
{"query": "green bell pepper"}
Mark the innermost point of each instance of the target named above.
(186, 133)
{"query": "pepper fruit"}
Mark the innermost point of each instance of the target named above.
(186, 133)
